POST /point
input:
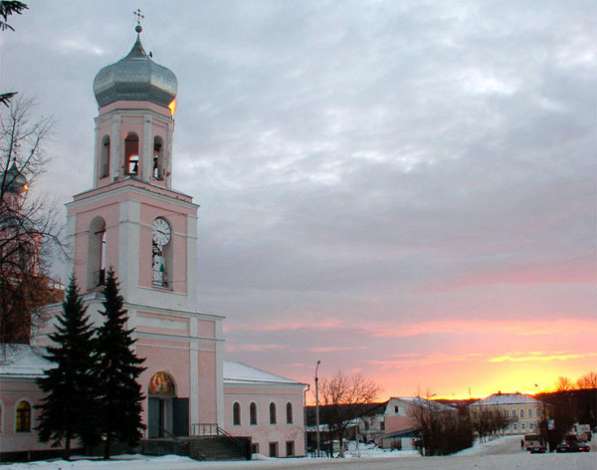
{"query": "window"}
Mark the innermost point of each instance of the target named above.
(289, 448)
(105, 157)
(273, 449)
(23, 417)
(131, 154)
(397, 410)
(522, 413)
(158, 158)
(253, 413)
(236, 414)
(530, 413)
(98, 253)
(515, 426)
(272, 414)
(382, 426)
(522, 426)
(514, 413)
(254, 448)
(288, 413)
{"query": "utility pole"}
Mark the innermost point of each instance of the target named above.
(317, 407)
(307, 388)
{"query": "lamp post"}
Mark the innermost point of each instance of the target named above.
(317, 407)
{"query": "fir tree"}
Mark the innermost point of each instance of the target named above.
(67, 410)
(118, 370)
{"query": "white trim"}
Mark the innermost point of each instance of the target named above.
(147, 156)
(194, 372)
(106, 191)
(220, 373)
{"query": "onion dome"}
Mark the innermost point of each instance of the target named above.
(14, 181)
(135, 78)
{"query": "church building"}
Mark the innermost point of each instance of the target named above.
(134, 221)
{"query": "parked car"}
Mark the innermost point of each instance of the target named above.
(537, 449)
(573, 446)
(581, 447)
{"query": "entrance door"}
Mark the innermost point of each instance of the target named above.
(161, 400)
(153, 429)
(180, 408)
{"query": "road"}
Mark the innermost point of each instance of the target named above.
(500, 455)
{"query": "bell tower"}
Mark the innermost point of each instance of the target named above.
(134, 222)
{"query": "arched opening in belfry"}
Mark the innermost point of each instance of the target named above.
(168, 415)
(105, 157)
(131, 154)
(158, 158)
(97, 254)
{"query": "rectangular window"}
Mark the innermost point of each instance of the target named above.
(382, 426)
(254, 448)
(289, 448)
(273, 449)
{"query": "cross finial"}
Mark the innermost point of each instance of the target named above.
(139, 16)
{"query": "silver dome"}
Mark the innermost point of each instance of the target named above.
(135, 78)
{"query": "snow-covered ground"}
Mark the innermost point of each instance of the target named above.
(499, 454)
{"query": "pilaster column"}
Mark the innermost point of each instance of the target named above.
(116, 147)
(147, 155)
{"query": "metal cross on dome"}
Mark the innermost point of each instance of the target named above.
(139, 15)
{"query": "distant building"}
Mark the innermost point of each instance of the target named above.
(524, 411)
(389, 424)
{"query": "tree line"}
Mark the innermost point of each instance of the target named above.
(571, 402)
(91, 391)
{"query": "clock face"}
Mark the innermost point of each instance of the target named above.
(161, 231)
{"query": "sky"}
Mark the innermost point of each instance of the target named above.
(402, 189)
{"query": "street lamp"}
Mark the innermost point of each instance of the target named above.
(317, 406)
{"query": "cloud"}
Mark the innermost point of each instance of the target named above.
(413, 177)
(541, 357)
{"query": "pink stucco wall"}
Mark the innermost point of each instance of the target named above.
(207, 387)
(12, 391)
(263, 432)
(398, 423)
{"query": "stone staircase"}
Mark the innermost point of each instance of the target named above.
(200, 447)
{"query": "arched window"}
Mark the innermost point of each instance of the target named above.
(131, 154)
(288, 413)
(272, 413)
(98, 252)
(236, 414)
(158, 158)
(253, 413)
(105, 157)
(23, 417)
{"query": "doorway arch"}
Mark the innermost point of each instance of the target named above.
(161, 393)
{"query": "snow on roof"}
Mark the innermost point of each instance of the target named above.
(506, 399)
(420, 401)
(22, 361)
(237, 372)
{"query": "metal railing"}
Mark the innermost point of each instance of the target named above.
(213, 430)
